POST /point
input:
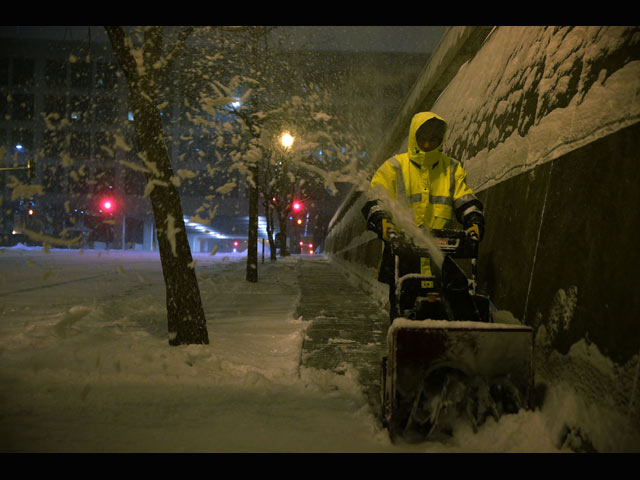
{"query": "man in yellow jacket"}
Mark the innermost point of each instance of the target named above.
(433, 187)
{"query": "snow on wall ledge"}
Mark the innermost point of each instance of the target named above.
(532, 94)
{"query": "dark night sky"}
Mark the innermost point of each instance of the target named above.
(420, 39)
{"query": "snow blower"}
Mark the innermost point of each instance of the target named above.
(447, 360)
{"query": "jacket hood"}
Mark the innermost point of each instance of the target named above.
(416, 154)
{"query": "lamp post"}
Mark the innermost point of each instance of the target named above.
(286, 141)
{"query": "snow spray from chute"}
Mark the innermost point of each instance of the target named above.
(403, 219)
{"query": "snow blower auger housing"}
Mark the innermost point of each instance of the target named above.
(447, 359)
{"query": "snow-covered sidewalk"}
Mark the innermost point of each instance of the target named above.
(85, 366)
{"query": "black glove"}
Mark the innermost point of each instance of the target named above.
(474, 226)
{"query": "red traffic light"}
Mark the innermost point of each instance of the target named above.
(30, 212)
(108, 205)
(297, 206)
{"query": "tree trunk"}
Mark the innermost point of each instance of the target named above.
(282, 221)
(269, 216)
(252, 252)
(185, 315)
(186, 319)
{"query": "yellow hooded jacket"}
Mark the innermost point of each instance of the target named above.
(432, 183)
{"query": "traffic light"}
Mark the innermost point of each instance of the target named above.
(107, 205)
(297, 208)
(31, 210)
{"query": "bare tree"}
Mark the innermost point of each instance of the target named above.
(258, 60)
(186, 319)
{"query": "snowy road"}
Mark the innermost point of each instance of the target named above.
(32, 277)
(85, 366)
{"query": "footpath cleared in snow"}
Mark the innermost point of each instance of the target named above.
(85, 365)
(347, 328)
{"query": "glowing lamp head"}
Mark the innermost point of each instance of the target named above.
(235, 244)
(286, 139)
(299, 221)
(297, 206)
(30, 211)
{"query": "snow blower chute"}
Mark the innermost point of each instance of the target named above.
(447, 359)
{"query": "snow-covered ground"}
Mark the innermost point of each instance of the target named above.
(85, 366)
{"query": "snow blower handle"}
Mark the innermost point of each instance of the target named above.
(455, 243)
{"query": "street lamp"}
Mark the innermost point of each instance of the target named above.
(286, 139)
